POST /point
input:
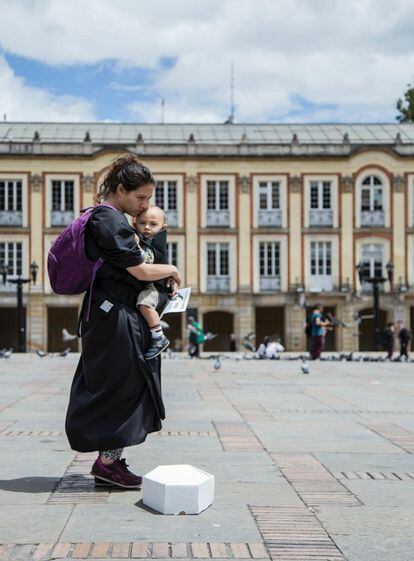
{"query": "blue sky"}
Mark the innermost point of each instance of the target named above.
(294, 60)
(108, 86)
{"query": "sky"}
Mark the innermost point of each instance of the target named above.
(294, 60)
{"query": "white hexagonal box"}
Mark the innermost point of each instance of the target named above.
(178, 489)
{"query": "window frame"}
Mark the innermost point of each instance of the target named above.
(334, 256)
(281, 179)
(230, 239)
(230, 178)
(320, 179)
(282, 240)
(386, 196)
(24, 179)
(49, 178)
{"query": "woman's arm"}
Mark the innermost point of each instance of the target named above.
(152, 272)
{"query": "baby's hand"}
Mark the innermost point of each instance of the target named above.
(137, 240)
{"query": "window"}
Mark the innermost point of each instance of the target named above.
(218, 259)
(269, 195)
(63, 196)
(218, 211)
(320, 195)
(172, 253)
(372, 257)
(321, 258)
(372, 194)
(217, 195)
(166, 195)
(11, 256)
(269, 256)
(63, 202)
(10, 195)
(320, 204)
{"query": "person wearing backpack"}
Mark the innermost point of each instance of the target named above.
(115, 398)
(318, 329)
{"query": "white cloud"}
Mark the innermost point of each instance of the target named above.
(21, 102)
(348, 60)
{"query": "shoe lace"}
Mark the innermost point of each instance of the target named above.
(123, 464)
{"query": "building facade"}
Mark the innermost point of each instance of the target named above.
(264, 221)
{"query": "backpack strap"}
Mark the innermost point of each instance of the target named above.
(98, 263)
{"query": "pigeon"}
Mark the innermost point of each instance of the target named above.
(42, 354)
(210, 336)
(217, 363)
(304, 367)
(66, 336)
(7, 353)
(65, 352)
(247, 345)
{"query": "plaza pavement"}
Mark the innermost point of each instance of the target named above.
(308, 467)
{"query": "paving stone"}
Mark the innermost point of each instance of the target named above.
(246, 414)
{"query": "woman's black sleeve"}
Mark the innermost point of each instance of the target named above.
(114, 238)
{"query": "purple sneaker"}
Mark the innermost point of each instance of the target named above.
(116, 474)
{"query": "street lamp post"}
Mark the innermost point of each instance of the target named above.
(19, 282)
(364, 275)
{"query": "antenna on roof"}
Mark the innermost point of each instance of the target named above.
(162, 110)
(230, 119)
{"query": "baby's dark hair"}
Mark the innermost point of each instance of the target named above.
(127, 170)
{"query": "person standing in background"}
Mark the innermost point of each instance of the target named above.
(195, 337)
(389, 339)
(404, 336)
(318, 331)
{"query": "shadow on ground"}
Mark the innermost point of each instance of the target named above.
(30, 484)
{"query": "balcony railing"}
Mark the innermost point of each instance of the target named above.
(321, 218)
(172, 218)
(11, 218)
(270, 284)
(372, 218)
(218, 218)
(270, 218)
(321, 283)
(218, 284)
(62, 217)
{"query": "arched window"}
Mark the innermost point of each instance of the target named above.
(372, 201)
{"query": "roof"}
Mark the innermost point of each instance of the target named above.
(223, 134)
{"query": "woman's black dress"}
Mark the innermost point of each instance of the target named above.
(115, 399)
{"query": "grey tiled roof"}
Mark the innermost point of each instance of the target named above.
(230, 134)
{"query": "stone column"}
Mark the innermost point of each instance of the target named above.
(191, 239)
(36, 320)
(295, 317)
(244, 319)
(87, 191)
(346, 251)
(295, 229)
(398, 220)
(35, 308)
(244, 264)
(347, 340)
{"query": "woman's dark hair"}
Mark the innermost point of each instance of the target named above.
(127, 170)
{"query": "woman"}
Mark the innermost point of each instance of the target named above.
(115, 399)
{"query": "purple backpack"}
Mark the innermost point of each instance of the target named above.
(70, 270)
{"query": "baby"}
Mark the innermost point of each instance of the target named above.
(152, 241)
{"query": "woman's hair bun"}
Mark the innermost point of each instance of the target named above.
(127, 170)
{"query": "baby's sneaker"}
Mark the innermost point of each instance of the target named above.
(158, 345)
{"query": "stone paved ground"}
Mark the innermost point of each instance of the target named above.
(308, 468)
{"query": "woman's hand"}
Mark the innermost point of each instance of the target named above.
(177, 279)
(174, 290)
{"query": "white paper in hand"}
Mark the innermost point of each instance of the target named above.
(179, 303)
